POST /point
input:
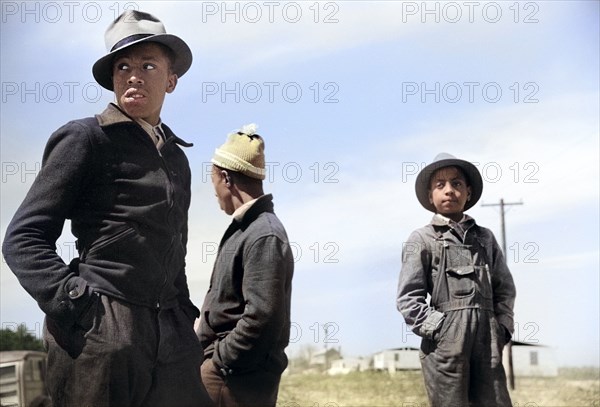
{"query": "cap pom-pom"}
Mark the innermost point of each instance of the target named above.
(248, 129)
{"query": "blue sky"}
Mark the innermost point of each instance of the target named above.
(352, 98)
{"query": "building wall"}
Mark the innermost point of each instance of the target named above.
(532, 361)
(397, 359)
(345, 366)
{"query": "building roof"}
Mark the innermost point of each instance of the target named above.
(326, 351)
(15, 355)
(517, 343)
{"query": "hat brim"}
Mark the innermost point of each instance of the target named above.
(424, 177)
(102, 69)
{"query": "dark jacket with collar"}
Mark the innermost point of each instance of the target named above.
(245, 322)
(128, 208)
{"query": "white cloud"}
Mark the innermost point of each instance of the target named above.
(538, 156)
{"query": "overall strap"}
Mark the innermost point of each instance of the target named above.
(440, 285)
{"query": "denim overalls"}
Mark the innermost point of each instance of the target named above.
(462, 363)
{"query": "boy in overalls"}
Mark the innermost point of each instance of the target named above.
(469, 316)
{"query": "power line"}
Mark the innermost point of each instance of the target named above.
(502, 204)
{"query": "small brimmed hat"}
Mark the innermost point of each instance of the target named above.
(243, 152)
(446, 160)
(134, 27)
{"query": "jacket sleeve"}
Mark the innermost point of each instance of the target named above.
(267, 273)
(183, 295)
(29, 246)
(411, 299)
(503, 286)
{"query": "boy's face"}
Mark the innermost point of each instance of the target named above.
(222, 184)
(141, 78)
(449, 192)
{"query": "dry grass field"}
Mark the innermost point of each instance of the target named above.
(574, 387)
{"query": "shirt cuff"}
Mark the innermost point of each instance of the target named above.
(432, 324)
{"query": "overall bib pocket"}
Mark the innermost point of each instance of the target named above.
(460, 271)
(464, 273)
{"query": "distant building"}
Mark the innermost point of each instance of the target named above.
(397, 359)
(322, 359)
(532, 360)
(348, 365)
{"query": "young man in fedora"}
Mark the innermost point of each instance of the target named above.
(119, 320)
(245, 322)
(459, 265)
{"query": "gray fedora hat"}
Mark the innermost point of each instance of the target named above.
(446, 160)
(134, 27)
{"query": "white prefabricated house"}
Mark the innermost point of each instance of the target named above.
(347, 365)
(397, 359)
(323, 358)
(532, 360)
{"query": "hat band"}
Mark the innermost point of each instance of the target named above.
(128, 40)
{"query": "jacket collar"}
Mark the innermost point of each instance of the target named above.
(113, 115)
(441, 220)
(241, 211)
(262, 204)
(459, 228)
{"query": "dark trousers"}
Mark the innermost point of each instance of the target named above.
(255, 389)
(463, 366)
(125, 355)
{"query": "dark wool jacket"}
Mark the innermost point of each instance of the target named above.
(245, 322)
(128, 207)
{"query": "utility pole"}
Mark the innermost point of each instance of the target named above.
(502, 204)
(325, 328)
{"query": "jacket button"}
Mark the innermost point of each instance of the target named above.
(226, 372)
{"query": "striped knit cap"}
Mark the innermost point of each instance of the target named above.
(243, 152)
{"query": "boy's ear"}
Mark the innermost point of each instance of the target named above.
(430, 197)
(468, 193)
(171, 83)
(226, 178)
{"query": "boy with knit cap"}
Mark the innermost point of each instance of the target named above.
(460, 267)
(245, 319)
